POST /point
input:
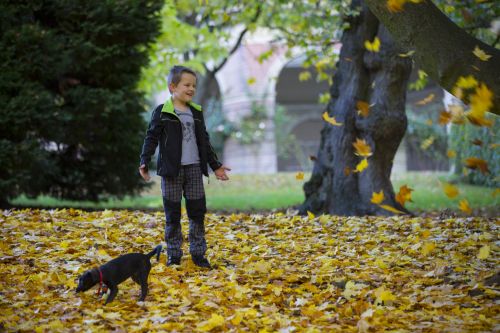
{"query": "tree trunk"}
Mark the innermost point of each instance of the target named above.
(379, 78)
(442, 49)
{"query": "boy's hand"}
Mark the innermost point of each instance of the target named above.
(144, 172)
(220, 173)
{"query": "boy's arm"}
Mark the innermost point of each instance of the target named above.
(152, 135)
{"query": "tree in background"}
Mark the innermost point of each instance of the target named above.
(70, 122)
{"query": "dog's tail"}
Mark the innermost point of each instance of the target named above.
(156, 251)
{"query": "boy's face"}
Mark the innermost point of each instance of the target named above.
(185, 89)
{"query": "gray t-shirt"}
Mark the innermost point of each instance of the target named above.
(190, 153)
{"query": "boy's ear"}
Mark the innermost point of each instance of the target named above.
(171, 87)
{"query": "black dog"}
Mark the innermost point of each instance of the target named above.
(135, 265)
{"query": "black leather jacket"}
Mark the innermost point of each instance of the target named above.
(165, 130)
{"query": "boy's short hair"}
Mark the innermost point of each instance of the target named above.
(175, 74)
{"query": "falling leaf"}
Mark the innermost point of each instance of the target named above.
(391, 209)
(457, 114)
(481, 54)
(313, 158)
(466, 82)
(444, 118)
(361, 165)
(304, 76)
(477, 163)
(463, 205)
(377, 198)
(251, 81)
(362, 148)
(450, 190)
(407, 54)
(330, 120)
(363, 108)
(427, 142)
(397, 5)
(484, 252)
(426, 100)
(451, 153)
(373, 46)
(404, 195)
(477, 142)
(481, 101)
(299, 175)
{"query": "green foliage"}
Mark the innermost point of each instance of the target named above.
(251, 128)
(70, 121)
(461, 139)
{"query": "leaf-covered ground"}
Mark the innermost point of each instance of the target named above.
(273, 273)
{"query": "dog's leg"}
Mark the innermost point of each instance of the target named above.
(144, 284)
(112, 294)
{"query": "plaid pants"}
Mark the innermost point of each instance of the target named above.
(190, 184)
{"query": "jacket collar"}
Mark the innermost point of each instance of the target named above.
(168, 107)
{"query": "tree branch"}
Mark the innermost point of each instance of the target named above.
(442, 49)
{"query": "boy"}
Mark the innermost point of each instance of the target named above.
(178, 127)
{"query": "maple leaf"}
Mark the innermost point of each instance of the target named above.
(481, 101)
(463, 205)
(214, 321)
(481, 54)
(426, 100)
(299, 175)
(427, 142)
(310, 215)
(466, 82)
(362, 148)
(330, 120)
(377, 198)
(397, 5)
(444, 118)
(404, 195)
(384, 296)
(450, 190)
(363, 108)
(451, 153)
(477, 163)
(361, 165)
(428, 247)
(373, 46)
(251, 81)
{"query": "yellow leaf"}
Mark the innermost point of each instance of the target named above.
(373, 46)
(450, 190)
(427, 248)
(427, 142)
(481, 101)
(391, 209)
(377, 198)
(463, 205)
(361, 165)
(214, 321)
(236, 320)
(457, 114)
(451, 153)
(403, 195)
(304, 76)
(299, 175)
(477, 163)
(484, 252)
(444, 118)
(251, 80)
(481, 54)
(330, 120)
(426, 100)
(397, 5)
(384, 296)
(362, 148)
(363, 108)
(310, 215)
(426, 234)
(380, 263)
(407, 54)
(466, 82)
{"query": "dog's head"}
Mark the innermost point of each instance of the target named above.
(87, 280)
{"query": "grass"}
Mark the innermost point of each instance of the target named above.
(278, 191)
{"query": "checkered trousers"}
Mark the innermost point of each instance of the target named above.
(190, 184)
(189, 181)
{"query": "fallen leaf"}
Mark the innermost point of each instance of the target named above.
(484, 252)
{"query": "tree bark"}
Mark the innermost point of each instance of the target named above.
(442, 49)
(381, 80)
